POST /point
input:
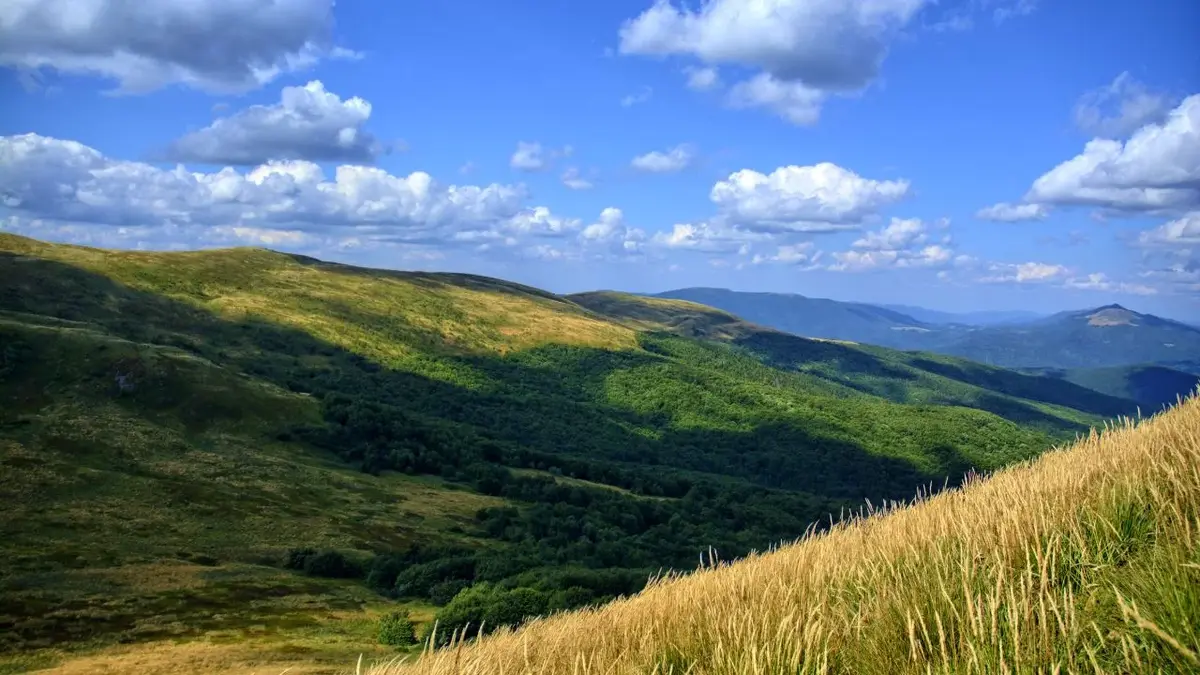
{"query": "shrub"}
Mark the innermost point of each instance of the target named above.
(328, 564)
(444, 592)
(332, 565)
(396, 630)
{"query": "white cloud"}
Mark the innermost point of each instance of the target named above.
(1016, 8)
(610, 232)
(66, 181)
(214, 45)
(1012, 213)
(803, 49)
(861, 261)
(540, 221)
(793, 101)
(901, 233)
(902, 243)
(1100, 282)
(641, 97)
(572, 179)
(1157, 169)
(801, 255)
(1120, 108)
(533, 157)
(308, 123)
(1022, 273)
(1183, 230)
(831, 44)
(710, 237)
(702, 79)
(1182, 275)
(819, 198)
(671, 161)
(528, 157)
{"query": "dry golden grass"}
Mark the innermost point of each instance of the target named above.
(1085, 560)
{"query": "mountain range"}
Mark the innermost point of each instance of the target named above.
(1101, 337)
(198, 443)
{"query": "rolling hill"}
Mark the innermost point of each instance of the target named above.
(1101, 337)
(815, 317)
(1152, 387)
(1084, 560)
(257, 453)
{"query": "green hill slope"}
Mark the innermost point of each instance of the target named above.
(1152, 387)
(177, 429)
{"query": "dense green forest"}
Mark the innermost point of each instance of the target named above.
(582, 444)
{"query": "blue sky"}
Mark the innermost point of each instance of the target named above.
(965, 155)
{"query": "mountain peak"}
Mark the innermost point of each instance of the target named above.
(1112, 315)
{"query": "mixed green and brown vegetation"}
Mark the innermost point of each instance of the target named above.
(1086, 560)
(262, 454)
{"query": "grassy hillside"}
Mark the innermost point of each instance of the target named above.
(838, 367)
(242, 446)
(1085, 560)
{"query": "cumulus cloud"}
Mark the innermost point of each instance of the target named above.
(1023, 273)
(1182, 231)
(1100, 282)
(1120, 108)
(540, 221)
(1181, 275)
(818, 198)
(610, 232)
(66, 181)
(307, 123)
(832, 44)
(795, 102)
(1157, 169)
(801, 254)
(217, 45)
(572, 179)
(902, 243)
(528, 157)
(901, 233)
(801, 48)
(531, 156)
(709, 237)
(1012, 213)
(702, 79)
(671, 161)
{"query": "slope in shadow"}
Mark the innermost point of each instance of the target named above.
(545, 409)
(550, 401)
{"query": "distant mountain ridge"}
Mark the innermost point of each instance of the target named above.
(812, 317)
(1105, 336)
(976, 318)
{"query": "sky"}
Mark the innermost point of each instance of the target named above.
(960, 155)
